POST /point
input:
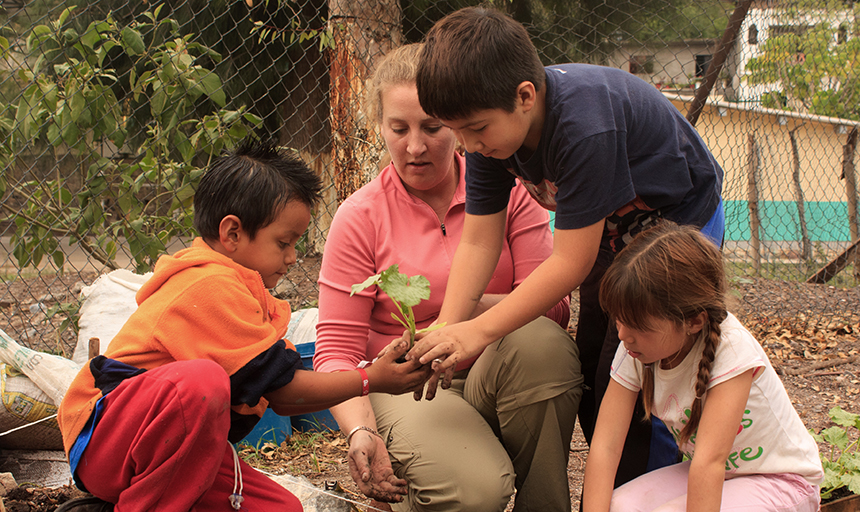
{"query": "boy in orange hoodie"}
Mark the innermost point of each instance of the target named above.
(149, 424)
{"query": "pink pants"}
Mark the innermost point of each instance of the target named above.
(665, 490)
(161, 444)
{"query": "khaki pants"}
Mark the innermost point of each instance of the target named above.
(504, 423)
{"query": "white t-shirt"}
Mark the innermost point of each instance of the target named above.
(771, 437)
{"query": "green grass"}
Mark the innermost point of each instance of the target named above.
(796, 272)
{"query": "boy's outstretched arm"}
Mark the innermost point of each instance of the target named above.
(475, 259)
(314, 391)
(573, 255)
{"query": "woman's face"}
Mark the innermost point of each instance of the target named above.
(421, 149)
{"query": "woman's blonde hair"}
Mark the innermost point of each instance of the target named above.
(673, 273)
(398, 67)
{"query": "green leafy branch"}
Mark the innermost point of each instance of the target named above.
(70, 103)
(405, 292)
(842, 464)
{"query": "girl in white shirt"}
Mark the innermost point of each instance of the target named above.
(705, 376)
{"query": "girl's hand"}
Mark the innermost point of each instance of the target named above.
(388, 376)
(370, 468)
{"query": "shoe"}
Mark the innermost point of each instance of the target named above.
(86, 504)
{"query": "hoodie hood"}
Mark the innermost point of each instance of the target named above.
(200, 255)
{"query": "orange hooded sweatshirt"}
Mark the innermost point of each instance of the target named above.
(198, 304)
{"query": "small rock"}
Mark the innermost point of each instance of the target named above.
(7, 483)
(285, 289)
(78, 288)
(39, 307)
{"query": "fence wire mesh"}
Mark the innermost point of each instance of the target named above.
(110, 111)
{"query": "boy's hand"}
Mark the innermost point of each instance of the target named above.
(445, 348)
(388, 376)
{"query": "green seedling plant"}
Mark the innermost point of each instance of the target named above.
(842, 463)
(406, 292)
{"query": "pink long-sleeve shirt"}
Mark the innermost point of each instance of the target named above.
(382, 224)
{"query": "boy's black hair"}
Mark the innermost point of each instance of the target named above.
(253, 182)
(474, 59)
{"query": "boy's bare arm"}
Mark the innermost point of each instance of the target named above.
(574, 253)
(314, 391)
(472, 268)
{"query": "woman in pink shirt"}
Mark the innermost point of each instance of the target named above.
(506, 421)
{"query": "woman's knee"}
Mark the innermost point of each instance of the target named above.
(543, 349)
(475, 491)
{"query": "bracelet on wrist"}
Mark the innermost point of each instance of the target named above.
(361, 427)
(365, 382)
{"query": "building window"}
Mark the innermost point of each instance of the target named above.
(781, 30)
(702, 63)
(752, 34)
(642, 64)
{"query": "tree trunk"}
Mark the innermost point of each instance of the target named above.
(851, 186)
(362, 32)
(719, 58)
(806, 248)
(752, 194)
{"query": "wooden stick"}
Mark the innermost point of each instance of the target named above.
(836, 265)
(819, 365)
(94, 349)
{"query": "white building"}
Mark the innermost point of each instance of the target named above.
(769, 18)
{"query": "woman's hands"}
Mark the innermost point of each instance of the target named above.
(370, 468)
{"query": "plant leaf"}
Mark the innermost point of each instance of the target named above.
(852, 481)
(367, 283)
(132, 42)
(835, 436)
(431, 328)
(407, 291)
(844, 418)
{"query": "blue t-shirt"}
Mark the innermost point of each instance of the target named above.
(612, 147)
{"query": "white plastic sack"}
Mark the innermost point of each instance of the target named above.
(23, 404)
(313, 499)
(53, 374)
(303, 326)
(108, 303)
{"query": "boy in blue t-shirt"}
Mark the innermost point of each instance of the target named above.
(603, 149)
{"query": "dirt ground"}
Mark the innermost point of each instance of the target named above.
(810, 333)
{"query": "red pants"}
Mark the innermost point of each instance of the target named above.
(161, 444)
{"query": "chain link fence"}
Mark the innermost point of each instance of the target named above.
(110, 111)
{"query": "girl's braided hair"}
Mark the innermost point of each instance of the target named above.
(673, 273)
